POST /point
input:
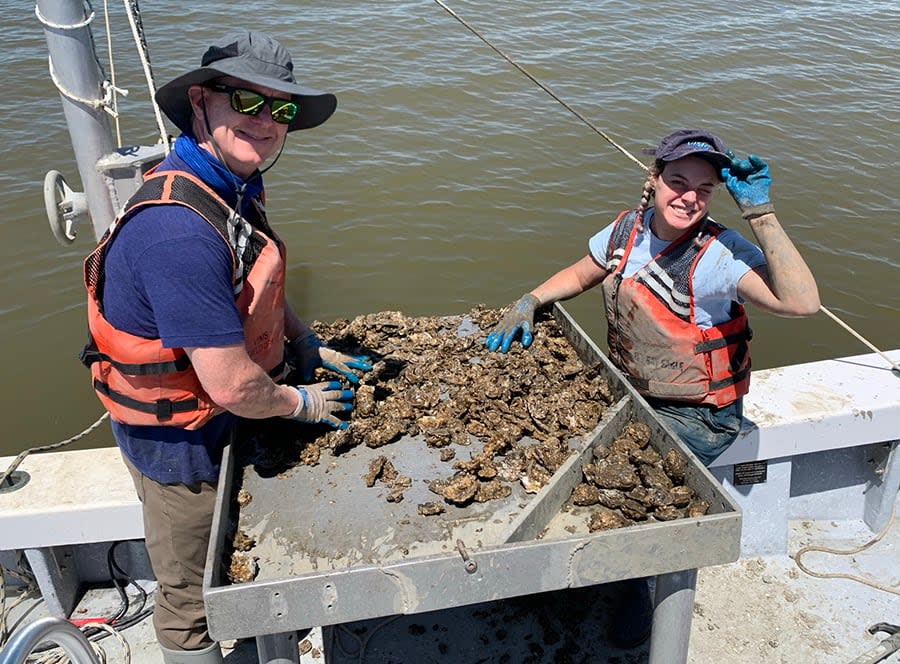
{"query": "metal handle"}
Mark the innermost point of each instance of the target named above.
(71, 639)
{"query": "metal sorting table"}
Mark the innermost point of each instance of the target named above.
(331, 550)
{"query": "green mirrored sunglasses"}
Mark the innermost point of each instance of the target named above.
(248, 102)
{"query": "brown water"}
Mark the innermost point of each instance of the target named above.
(447, 178)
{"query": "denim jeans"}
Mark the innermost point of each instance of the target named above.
(706, 430)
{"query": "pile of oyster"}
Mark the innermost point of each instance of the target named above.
(628, 481)
(434, 378)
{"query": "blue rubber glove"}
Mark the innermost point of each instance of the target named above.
(319, 403)
(520, 317)
(748, 182)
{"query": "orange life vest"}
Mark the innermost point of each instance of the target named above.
(138, 380)
(652, 334)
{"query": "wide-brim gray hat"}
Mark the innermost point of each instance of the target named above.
(253, 57)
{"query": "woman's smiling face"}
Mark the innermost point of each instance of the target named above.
(682, 194)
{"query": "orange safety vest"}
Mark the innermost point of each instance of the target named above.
(652, 334)
(138, 380)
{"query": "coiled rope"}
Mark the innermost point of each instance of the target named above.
(849, 552)
(542, 86)
(27, 578)
(94, 630)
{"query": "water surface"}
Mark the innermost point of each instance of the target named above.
(447, 178)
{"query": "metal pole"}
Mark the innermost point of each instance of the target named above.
(672, 617)
(78, 76)
(278, 648)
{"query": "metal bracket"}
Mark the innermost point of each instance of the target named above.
(884, 649)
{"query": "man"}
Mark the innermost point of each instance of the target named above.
(188, 316)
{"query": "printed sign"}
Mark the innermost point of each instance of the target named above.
(752, 472)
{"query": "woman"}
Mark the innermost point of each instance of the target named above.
(674, 283)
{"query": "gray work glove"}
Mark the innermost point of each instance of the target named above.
(319, 403)
(312, 354)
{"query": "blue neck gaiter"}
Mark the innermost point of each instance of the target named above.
(214, 173)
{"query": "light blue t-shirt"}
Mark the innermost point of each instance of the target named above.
(716, 277)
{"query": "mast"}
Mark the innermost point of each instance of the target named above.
(77, 75)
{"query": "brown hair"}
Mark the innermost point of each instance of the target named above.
(647, 191)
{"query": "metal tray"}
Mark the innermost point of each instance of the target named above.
(332, 550)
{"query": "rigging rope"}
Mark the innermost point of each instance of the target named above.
(625, 152)
(112, 71)
(543, 87)
(109, 101)
(137, 30)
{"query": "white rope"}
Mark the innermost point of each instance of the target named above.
(850, 552)
(101, 653)
(107, 102)
(112, 71)
(72, 26)
(45, 448)
(104, 103)
(849, 329)
(141, 45)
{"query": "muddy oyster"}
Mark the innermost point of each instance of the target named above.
(629, 482)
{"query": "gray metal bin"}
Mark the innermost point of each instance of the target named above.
(331, 553)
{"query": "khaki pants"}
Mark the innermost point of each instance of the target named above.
(177, 524)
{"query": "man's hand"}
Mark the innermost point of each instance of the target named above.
(344, 364)
(520, 317)
(319, 403)
(311, 354)
(306, 354)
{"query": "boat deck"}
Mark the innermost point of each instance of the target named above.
(756, 610)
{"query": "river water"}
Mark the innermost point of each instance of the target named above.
(447, 178)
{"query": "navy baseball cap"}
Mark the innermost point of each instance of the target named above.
(686, 142)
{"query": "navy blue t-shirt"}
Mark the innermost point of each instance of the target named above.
(168, 276)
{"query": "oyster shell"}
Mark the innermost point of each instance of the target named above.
(604, 518)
